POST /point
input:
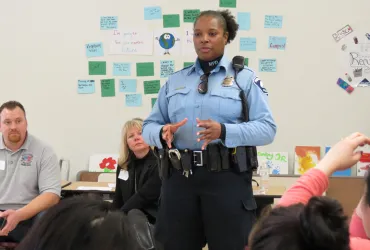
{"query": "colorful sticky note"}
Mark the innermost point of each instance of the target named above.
(246, 61)
(152, 13)
(190, 15)
(133, 100)
(344, 85)
(171, 21)
(145, 69)
(153, 101)
(107, 87)
(244, 20)
(152, 87)
(186, 64)
(108, 22)
(94, 49)
(273, 21)
(121, 69)
(267, 65)
(127, 85)
(248, 44)
(167, 68)
(97, 68)
(277, 42)
(228, 3)
(86, 87)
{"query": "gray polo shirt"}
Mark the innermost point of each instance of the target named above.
(27, 173)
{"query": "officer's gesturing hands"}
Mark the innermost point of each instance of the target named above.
(211, 131)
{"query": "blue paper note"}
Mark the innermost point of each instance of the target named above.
(86, 87)
(121, 69)
(167, 68)
(133, 100)
(277, 42)
(346, 172)
(127, 85)
(94, 49)
(244, 20)
(152, 13)
(248, 43)
(108, 22)
(273, 21)
(267, 65)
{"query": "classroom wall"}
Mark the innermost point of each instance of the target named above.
(43, 55)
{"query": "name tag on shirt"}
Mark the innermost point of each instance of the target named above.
(2, 165)
(123, 175)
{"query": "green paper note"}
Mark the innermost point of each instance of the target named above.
(228, 3)
(145, 69)
(186, 64)
(152, 87)
(107, 87)
(153, 101)
(246, 61)
(97, 68)
(190, 15)
(171, 21)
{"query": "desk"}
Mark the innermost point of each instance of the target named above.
(264, 200)
(72, 189)
(65, 183)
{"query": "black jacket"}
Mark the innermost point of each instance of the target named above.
(148, 186)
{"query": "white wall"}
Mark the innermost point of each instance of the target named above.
(42, 56)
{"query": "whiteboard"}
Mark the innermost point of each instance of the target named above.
(43, 56)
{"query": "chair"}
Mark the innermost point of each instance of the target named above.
(107, 177)
(8, 245)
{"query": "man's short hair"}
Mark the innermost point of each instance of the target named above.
(12, 105)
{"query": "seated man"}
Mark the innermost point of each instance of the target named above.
(29, 174)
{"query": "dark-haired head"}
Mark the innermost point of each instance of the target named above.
(319, 225)
(79, 223)
(212, 31)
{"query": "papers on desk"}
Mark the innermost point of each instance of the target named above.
(94, 188)
(112, 185)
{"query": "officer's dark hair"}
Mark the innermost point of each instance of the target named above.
(320, 224)
(226, 19)
(80, 223)
(11, 105)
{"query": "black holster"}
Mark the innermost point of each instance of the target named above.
(245, 159)
(163, 163)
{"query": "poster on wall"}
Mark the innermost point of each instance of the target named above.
(306, 157)
(106, 163)
(354, 47)
(277, 162)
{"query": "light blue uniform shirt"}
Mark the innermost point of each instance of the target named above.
(179, 99)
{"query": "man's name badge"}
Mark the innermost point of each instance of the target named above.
(228, 81)
(123, 175)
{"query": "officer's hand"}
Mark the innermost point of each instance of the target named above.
(12, 220)
(170, 129)
(211, 132)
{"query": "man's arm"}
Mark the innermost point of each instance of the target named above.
(49, 181)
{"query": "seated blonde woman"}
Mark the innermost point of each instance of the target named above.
(138, 184)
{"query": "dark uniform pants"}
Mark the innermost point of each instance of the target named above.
(217, 208)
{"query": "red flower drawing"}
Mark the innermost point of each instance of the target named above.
(108, 163)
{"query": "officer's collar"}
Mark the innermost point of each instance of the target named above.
(224, 63)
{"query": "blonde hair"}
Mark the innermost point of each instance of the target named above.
(125, 152)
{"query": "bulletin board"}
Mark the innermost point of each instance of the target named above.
(83, 68)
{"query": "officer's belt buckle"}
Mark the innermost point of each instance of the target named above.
(173, 153)
(195, 156)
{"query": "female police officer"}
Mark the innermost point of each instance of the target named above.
(197, 125)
